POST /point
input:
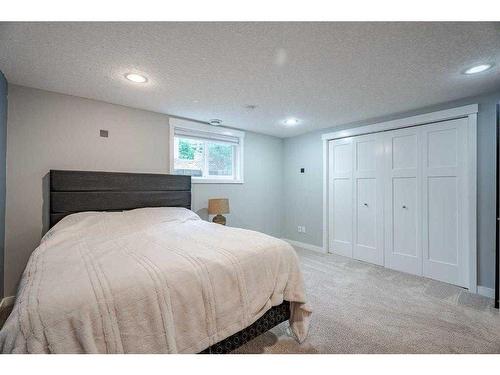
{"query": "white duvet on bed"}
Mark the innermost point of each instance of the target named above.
(152, 280)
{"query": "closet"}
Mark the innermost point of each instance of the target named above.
(399, 198)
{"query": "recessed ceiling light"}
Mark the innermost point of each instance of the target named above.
(291, 121)
(478, 69)
(137, 78)
(215, 122)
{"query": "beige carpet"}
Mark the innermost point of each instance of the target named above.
(362, 308)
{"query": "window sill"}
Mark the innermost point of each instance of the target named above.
(214, 181)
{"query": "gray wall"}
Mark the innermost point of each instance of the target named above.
(3, 140)
(47, 131)
(303, 193)
(256, 204)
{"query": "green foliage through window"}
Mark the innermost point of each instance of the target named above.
(204, 158)
(186, 149)
(220, 159)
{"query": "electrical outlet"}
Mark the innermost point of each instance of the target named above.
(303, 229)
(299, 229)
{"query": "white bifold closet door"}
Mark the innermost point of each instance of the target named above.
(340, 196)
(445, 233)
(403, 197)
(356, 197)
(398, 199)
(368, 190)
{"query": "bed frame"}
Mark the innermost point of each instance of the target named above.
(77, 191)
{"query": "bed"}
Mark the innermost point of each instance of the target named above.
(127, 268)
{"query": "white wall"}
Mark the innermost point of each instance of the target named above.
(47, 130)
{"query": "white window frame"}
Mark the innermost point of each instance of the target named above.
(195, 127)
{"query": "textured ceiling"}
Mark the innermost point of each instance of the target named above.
(325, 74)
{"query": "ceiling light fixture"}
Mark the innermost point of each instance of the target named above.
(136, 78)
(291, 121)
(478, 69)
(215, 122)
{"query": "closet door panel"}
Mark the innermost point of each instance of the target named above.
(402, 181)
(342, 158)
(404, 149)
(368, 198)
(366, 154)
(340, 197)
(444, 175)
(442, 148)
(404, 208)
(342, 212)
(366, 204)
(443, 220)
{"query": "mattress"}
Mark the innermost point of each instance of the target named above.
(151, 280)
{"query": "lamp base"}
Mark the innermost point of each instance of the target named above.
(219, 219)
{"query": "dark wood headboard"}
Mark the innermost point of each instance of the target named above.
(78, 191)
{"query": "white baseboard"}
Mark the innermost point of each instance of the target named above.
(484, 291)
(7, 302)
(306, 246)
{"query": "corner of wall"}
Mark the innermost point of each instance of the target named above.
(3, 145)
(282, 188)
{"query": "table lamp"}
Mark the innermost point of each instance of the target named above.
(217, 207)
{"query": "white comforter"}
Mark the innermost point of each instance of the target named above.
(154, 280)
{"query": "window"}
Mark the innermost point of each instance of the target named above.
(207, 153)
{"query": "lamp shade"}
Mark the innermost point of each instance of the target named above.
(218, 206)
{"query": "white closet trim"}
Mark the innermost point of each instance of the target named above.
(426, 118)
(469, 111)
